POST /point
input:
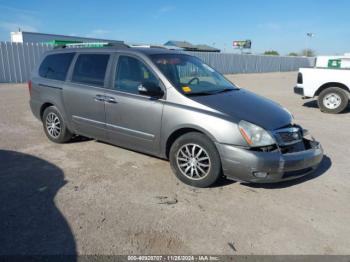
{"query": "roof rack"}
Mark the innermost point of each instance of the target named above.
(93, 45)
(145, 46)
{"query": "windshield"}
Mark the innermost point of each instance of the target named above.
(190, 75)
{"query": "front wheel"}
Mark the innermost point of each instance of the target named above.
(333, 100)
(195, 160)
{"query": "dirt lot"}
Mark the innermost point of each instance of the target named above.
(87, 197)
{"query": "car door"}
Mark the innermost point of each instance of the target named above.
(133, 120)
(84, 94)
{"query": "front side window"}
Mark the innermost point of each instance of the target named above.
(56, 66)
(90, 69)
(190, 75)
(131, 73)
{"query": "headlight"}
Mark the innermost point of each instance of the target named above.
(255, 135)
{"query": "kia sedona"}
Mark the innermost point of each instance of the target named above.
(171, 105)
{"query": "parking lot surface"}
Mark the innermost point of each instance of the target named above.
(88, 197)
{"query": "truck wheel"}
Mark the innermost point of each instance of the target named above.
(333, 100)
(195, 160)
(54, 126)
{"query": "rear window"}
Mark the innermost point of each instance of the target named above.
(56, 66)
(90, 69)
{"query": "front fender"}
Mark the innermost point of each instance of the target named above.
(217, 127)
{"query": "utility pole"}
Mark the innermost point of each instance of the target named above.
(308, 40)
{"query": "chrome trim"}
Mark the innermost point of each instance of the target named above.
(110, 99)
(115, 128)
(83, 120)
(54, 87)
(131, 132)
(133, 95)
(288, 129)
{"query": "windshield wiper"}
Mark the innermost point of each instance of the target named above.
(199, 94)
(207, 93)
(225, 90)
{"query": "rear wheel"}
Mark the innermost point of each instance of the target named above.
(54, 126)
(195, 160)
(333, 100)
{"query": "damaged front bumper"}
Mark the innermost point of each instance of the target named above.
(242, 164)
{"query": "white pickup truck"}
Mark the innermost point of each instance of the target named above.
(330, 83)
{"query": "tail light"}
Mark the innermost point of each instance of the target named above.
(30, 87)
(300, 78)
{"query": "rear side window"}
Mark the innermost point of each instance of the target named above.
(90, 69)
(56, 66)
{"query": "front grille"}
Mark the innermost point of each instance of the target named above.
(288, 136)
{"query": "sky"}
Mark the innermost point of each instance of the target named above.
(270, 24)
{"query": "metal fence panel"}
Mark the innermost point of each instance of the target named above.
(236, 63)
(28, 64)
(11, 62)
(22, 63)
(17, 60)
(3, 75)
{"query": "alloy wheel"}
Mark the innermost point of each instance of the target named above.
(53, 125)
(193, 161)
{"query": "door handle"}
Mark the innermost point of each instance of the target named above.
(110, 99)
(99, 98)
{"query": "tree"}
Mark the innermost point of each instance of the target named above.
(271, 52)
(308, 52)
(293, 54)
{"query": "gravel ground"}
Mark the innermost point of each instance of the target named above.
(88, 197)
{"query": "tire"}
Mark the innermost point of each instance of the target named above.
(58, 132)
(204, 172)
(333, 100)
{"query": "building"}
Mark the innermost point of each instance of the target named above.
(33, 37)
(206, 48)
(190, 47)
(181, 44)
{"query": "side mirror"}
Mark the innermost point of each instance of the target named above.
(150, 89)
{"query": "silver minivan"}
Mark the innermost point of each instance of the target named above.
(171, 105)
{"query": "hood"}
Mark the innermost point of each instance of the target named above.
(244, 105)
